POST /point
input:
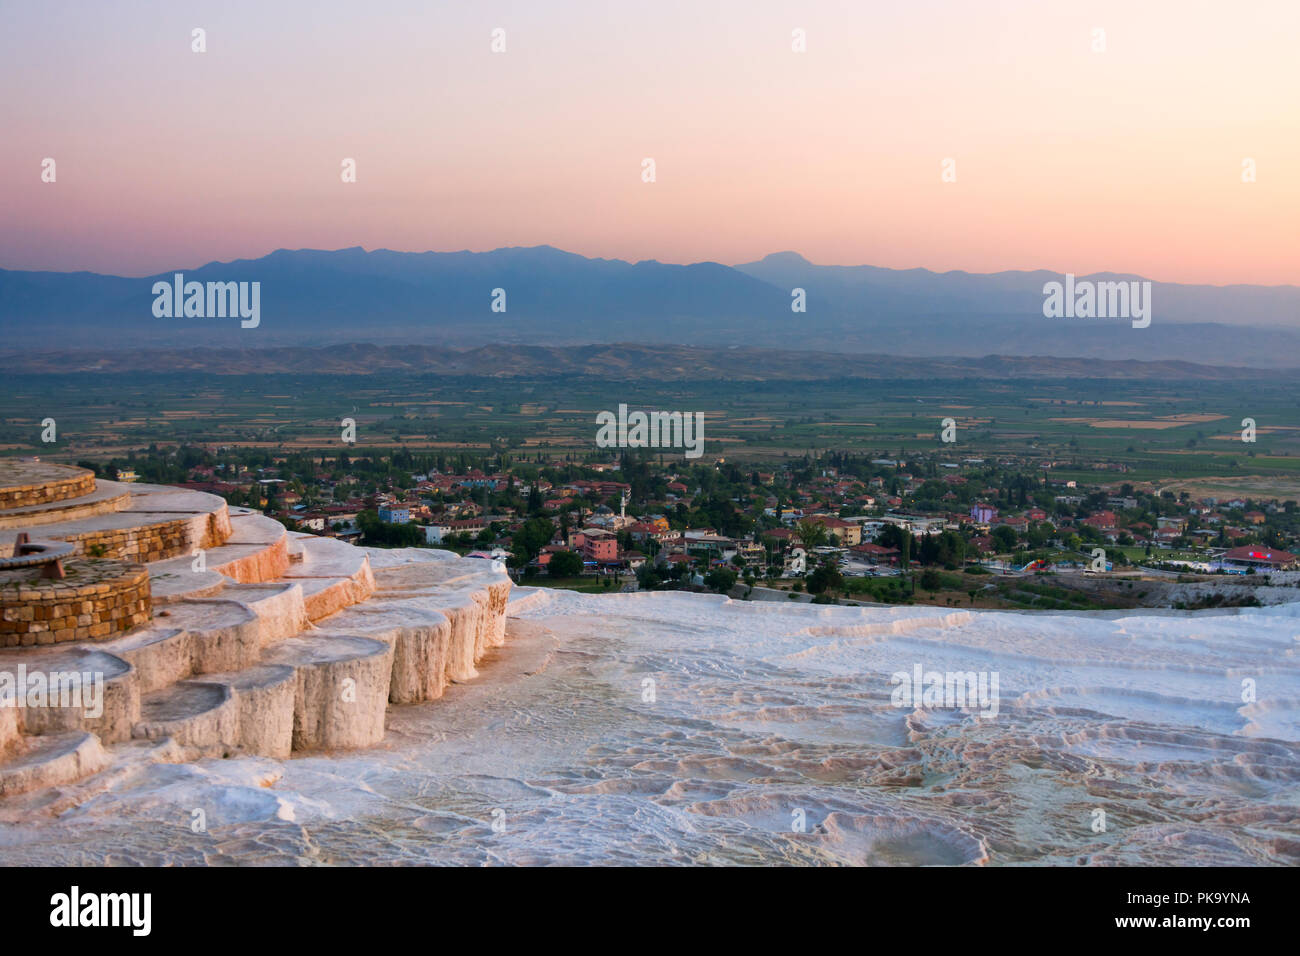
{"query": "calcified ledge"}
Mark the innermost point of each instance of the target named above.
(275, 643)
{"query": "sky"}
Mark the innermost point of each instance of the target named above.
(1066, 158)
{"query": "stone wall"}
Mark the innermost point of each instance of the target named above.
(36, 483)
(150, 542)
(96, 601)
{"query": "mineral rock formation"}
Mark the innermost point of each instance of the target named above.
(275, 642)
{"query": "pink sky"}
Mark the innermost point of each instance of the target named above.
(1128, 160)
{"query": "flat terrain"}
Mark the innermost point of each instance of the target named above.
(1258, 487)
(1180, 435)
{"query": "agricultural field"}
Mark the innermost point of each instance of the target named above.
(1174, 437)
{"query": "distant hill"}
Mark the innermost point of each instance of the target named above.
(311, 297)
(606, 362)
(922, 292)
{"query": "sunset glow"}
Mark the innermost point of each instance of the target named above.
(1066, 159)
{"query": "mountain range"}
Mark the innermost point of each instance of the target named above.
(552, 297)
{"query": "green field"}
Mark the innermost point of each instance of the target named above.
(1092, 432)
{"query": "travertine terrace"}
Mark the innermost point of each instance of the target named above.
(214, 630)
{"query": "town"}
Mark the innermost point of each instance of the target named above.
(836, 528)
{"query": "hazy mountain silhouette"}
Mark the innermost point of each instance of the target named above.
(314, 297)
(920, 291)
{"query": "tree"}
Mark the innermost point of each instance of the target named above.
(812, 534)
(379, 534)
(930, 580)
(721, 580)
(892, 536)
(532, 536)
(648, 577)
(564, 564)
(826, 577)
(1005, 538)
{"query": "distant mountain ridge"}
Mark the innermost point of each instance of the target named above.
(553, 297)
(1021, 291)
